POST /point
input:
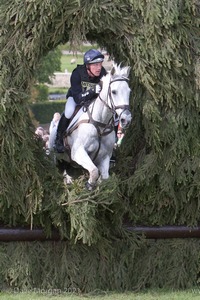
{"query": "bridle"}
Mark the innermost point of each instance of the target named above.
(114, 107)
(108, 127)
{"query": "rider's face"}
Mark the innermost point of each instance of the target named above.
(94, 69)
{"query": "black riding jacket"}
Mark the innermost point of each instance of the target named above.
(82, 85)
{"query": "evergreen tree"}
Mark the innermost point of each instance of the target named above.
(157, 177)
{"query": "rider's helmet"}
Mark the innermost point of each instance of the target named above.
(93, 56)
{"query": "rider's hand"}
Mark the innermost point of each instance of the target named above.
(97, 89)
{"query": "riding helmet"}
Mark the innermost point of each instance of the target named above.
(93, 56)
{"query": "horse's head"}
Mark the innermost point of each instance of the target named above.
(119, 93)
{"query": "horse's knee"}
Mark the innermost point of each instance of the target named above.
(95, 173)
(105, 176)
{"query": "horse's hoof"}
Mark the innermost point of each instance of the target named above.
(89, 186)
(67, 180)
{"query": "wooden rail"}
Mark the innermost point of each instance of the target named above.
(21, 234)
(166, 232)
(152, 232)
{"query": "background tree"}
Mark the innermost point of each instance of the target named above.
(49, 64)
(44, 74)
(157, 178)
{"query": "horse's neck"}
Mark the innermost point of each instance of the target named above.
(100, 111)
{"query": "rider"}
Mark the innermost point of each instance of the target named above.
(85, 87)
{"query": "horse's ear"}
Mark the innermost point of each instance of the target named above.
(128, 71)
(113, 70)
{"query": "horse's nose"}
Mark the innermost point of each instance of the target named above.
(125, 119)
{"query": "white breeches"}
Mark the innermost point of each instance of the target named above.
(69, 107)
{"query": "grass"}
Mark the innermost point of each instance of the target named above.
(149, 295)
(66, 62)
(66, 59)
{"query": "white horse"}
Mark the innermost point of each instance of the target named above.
(90, 135)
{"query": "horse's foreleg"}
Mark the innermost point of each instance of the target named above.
(82, 158)
(104, 168)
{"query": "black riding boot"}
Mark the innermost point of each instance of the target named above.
(62, 126)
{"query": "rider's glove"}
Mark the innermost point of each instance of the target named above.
(97, 89)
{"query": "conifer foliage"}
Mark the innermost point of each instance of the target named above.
(157, 178)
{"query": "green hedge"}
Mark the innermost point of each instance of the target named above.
(43, 112)
(120, 265)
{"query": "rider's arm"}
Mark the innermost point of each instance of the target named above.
(80, 97)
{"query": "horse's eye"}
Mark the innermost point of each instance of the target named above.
(114, 92)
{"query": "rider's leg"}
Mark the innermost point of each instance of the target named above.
(63, 124)
(70, 107)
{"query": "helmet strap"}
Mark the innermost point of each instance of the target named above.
(88, 68)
